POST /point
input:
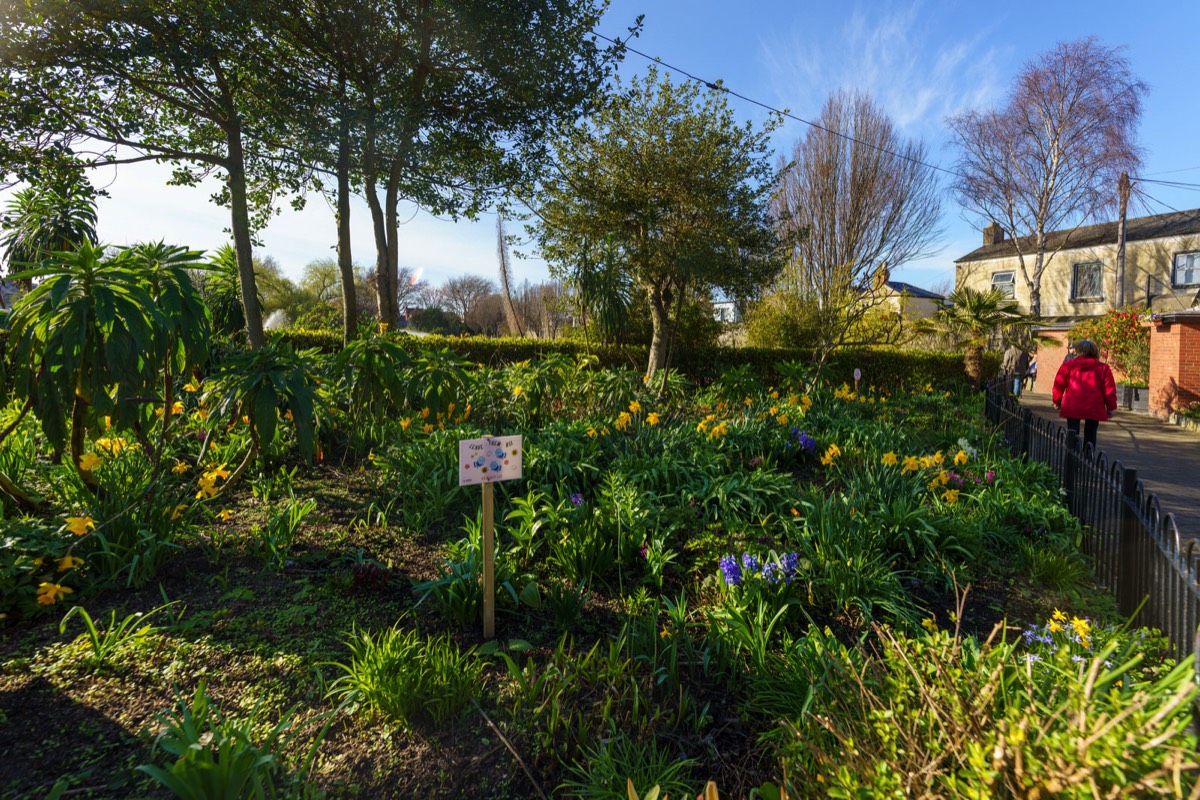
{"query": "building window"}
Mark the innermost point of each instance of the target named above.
(1087, 283)
(1006, 282)
(1187, 269)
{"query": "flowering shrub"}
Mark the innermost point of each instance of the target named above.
(1122, 339)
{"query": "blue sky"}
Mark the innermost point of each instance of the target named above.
(921, 61)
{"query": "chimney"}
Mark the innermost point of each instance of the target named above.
(993, 234)
(882, 275)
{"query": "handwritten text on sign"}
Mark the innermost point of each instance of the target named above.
(489, 460)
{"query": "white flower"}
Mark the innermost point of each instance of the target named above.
(963, 444)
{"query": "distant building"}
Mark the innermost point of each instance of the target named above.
(726, 312)
(1162, 266)
(912, 302)
(9, 291)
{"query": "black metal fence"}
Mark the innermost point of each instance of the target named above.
(1135, 546)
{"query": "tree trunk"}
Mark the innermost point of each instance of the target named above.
(973, 364)
(370, 174)
(1035, 286)
(659, 314)
(345, 261)
(392, 317)
(242, 245)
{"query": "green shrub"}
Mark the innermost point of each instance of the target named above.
(942, 716)
(219, 757)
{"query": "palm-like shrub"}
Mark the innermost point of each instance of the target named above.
(972, 316)
(91, 339)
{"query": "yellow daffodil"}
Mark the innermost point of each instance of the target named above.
(652, 418)
(938, 458)
(604, 431)
(424, 413)
(208, 487)
(635, 407)
(591, 432)
(68, 562)
(427, 427)
(926, 462)
(405, 423)
(1058, 615)
(806, 402)
(1055, 626)
(191, 386)
(177, 407)
(466, 413)
(910, 464)
(177, 511)
(834, 451)
(107, 422)
(950, 495)
(929, 624)
(224, 515)
(80, 525)
(623, 421)
(89, 461)
(50, 593)
(795, 513)
(180, 468)
(218, 472)
(943, 477)
(890, 459)
(961, 457)
(749, 402)
(517, 391)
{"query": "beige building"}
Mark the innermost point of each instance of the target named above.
(1162, 266)
(911, 302)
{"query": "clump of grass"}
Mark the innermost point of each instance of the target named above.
(405, 677)
(606, 772)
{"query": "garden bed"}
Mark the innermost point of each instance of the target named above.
(723, 584)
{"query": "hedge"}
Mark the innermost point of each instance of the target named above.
(880, 366)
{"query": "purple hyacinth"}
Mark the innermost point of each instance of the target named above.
(577, 499)
(806, 442)
(790, 564)
(770, 572)
(732, 570)
(749, 563)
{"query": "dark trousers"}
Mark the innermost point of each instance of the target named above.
(1090, 427)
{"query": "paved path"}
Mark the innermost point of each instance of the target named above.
(1167, 457)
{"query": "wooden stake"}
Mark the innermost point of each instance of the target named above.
(489, 566)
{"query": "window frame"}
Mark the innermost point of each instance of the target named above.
(1075, 296)
(1011, 293)
(1175, 269)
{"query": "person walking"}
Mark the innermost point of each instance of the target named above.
(1084, 390)
(1016, 364)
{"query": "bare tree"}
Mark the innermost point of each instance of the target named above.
(1051, 158)
(460, 295)
(856, 198)
(409, 288)
(486, 317)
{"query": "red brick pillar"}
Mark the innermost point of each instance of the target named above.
(1174, 364)
(1049, 360)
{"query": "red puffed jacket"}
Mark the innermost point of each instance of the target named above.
(1084, 389)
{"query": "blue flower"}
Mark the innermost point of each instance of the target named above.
(731, 570)
(790, 563)
(770, 572)
(577, 499)
(749, 563)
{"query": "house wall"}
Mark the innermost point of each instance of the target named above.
(909, 306)
(1153, 259)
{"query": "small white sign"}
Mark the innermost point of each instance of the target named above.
(857, 374)
(489, 460)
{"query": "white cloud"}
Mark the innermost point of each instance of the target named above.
(891, 56)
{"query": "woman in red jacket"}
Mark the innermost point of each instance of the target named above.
(1084, 389)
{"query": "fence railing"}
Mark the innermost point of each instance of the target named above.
(1135, 547)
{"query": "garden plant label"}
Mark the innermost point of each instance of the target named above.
(489, 460)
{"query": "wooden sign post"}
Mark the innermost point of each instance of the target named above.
(486, 461)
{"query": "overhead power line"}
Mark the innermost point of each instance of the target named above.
(720, 87)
